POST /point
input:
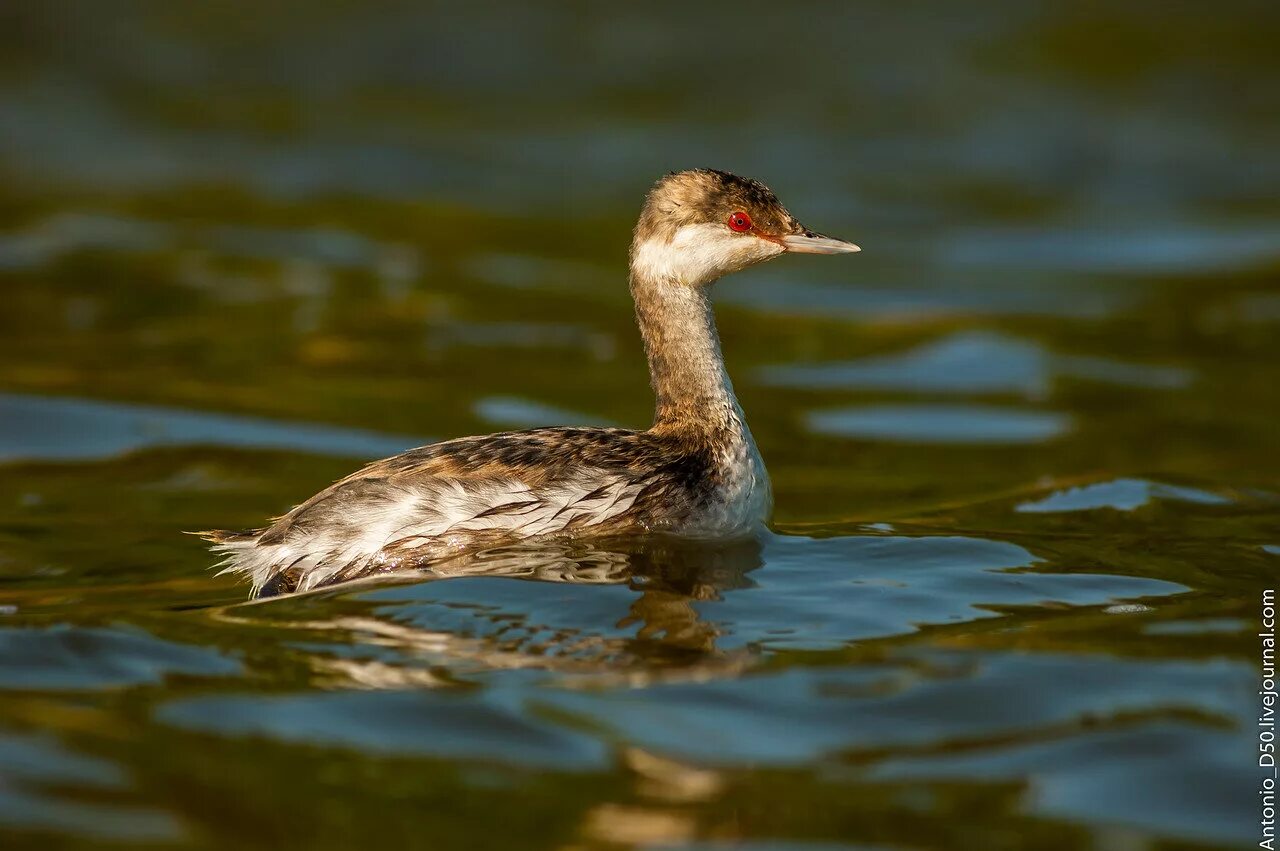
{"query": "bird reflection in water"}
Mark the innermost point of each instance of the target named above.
(661, 634)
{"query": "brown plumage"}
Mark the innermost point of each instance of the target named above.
(696, 472)
(704, 195)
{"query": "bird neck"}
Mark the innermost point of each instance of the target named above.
(693, 392)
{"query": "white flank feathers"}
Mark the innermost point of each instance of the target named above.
(430, 515)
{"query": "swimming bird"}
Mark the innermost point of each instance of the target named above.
(694, 473)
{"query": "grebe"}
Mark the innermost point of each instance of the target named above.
(694, 473)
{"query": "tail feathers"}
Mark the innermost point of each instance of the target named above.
(241, 555)
(223, 536)
(234, 548)
(278, 568)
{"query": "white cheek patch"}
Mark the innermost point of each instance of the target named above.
(698, 254)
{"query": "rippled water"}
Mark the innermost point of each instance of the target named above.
(1024, 446)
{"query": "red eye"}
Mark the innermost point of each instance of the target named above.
(740, 222)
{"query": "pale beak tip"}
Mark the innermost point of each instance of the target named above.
(817, 244)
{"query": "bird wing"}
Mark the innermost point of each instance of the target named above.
(448, 498)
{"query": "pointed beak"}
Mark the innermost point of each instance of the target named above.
(816, 243)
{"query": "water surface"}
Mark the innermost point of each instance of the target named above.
(1024, 446)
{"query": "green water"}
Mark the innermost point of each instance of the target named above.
(1024, 447)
